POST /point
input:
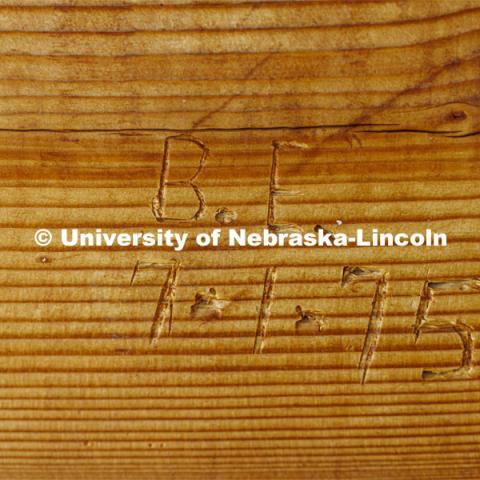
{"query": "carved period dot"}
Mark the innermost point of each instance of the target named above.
(225, 216)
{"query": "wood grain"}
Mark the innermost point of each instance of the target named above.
(384, 98)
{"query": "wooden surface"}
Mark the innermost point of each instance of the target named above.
(383, 94)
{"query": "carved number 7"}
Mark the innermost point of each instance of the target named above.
(164, 310)
(355, 274)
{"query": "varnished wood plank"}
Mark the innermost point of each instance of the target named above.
(382, 96)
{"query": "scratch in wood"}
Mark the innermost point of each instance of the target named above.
(427, 80)
(160, 199)
(230, 99)
(352, 138)
(135, 270)
(265, 308)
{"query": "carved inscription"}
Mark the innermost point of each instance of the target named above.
(163, 316)
(374, 328)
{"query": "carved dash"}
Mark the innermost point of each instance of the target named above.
(310, 322)
(208, 306)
